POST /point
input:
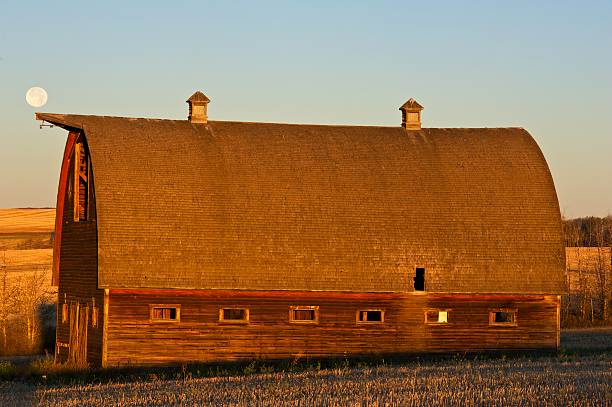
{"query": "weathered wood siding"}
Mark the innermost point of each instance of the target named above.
(199, 336)
(78, 275)
(468, 328)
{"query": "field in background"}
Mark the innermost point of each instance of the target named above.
(27, 260)
(28, 220)
(27, 311)
(26, 228)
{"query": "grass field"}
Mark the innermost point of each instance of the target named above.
(28, 220)
(24, 229)
(20, 264)
(28, 299)
(27, 260)
(579, 375)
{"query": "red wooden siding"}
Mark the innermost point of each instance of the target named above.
(61, 199)
(200, 336)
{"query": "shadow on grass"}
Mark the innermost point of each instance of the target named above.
(44, 371)
(575, 344)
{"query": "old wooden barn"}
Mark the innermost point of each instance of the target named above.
(197, 240)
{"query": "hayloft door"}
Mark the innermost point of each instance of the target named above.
(77, 345)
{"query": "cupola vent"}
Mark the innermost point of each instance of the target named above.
(411, 115)
(198, 108)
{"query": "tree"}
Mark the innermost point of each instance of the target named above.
(32, 294)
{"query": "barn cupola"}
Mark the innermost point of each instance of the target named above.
(198, 107)
(411, 115)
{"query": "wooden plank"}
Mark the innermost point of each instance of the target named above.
(105, 329)
(59, 211)
(76, 182)
(558, 322)
(251, 294)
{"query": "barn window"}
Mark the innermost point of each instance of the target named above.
(375, 316)
(304, 314)
(236, 315)
(165, 312)
(436, 317)
(81, 190)
(419, 279)
(503, 317)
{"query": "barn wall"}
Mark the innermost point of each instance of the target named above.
(199, 336)
(78, 277)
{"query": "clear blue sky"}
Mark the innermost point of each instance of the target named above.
(542, 65)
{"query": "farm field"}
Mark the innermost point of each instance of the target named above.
(25, 239)
(27, 260)
(28, 220)
(26, 228)
(579, 375)
(27, 297)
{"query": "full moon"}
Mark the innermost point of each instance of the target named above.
(36, 97)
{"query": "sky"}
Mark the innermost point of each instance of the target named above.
(542, 65)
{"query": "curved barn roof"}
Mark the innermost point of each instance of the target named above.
(261, 206)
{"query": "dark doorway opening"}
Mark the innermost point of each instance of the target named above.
(419, 279)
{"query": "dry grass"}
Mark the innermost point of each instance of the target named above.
(551, 381)
(25, 241)
(23, 229)
(564, 379)
(27, 315)
(21, 264)
(26, 220)
(28, 259)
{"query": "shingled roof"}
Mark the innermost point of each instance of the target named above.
(411, 104)
(198, 97)
(262, 206)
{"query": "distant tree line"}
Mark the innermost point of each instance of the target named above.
(590, 231)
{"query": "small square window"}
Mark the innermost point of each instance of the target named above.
(304, 314)
(436, 317)
(373, 316)
(164, 312)
(413, 117)
(503, 317)
(235, 315)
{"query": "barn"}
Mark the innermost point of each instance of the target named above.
(200, 240)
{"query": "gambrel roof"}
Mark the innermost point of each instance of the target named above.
(264, 206)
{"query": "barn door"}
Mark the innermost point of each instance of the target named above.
(77, 345)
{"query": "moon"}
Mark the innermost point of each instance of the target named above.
(36, 97)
